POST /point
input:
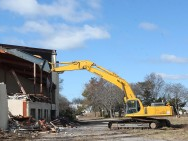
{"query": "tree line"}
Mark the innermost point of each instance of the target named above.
(107, 99)
(104, 96)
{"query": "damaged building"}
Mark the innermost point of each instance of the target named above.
(32, 89)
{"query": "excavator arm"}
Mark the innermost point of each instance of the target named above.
(100, 71)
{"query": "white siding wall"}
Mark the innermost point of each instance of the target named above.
(15, 106)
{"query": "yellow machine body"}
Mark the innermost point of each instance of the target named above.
(149, 111)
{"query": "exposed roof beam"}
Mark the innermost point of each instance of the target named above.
(39, 61)
(20, 63)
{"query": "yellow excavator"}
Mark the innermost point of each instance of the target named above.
(138, 115)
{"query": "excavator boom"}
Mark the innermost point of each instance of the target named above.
(100, 71)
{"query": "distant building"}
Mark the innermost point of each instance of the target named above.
(183, 111)
(31, 88)
(86, 110)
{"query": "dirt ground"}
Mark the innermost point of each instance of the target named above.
(178, 131)
(96, 129)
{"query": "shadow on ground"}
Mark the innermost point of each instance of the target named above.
(93, 122)
(179, 126)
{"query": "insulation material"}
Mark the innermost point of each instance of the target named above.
(3, 107)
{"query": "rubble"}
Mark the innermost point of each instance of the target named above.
(28, 127)
(60, 123)
(4, 134)
(30, 97)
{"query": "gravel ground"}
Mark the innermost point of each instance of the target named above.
(97, 130)
(92, 130)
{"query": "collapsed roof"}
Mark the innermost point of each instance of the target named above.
(22, 62)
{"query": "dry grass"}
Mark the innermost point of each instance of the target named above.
(178, 131)
(90, 116)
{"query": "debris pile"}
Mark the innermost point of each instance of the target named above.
(20, 122)
(4, 134)
(30, 97)
(1, 133)
(61, 123)
(28, 127)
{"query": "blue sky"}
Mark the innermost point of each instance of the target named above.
(132, 38)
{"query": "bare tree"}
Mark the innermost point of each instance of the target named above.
(103, 95)
(63, 103)
(156, 84)
(136, 89)
(109, 99)
(77, 101)
(177, 95)
(119, 100)
(145, 94)
(149, 90)
(92, 94)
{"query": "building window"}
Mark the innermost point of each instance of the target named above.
(33, 113)
(42, 115)
(45, 113)
(39, 114)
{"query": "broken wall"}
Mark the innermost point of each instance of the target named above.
(37, 110)
(3, 107)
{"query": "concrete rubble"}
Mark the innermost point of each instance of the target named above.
(27, 127)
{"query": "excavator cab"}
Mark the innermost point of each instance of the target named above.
(132, 106)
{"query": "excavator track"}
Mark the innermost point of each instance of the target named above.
(139, 123)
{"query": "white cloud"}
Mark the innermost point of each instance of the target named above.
(42, 27)
(62, 36)
(20, 6)
(69, 10)
(173, 59)
(45, 24)
(173, 77)
(148, 26)
(73, 38)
